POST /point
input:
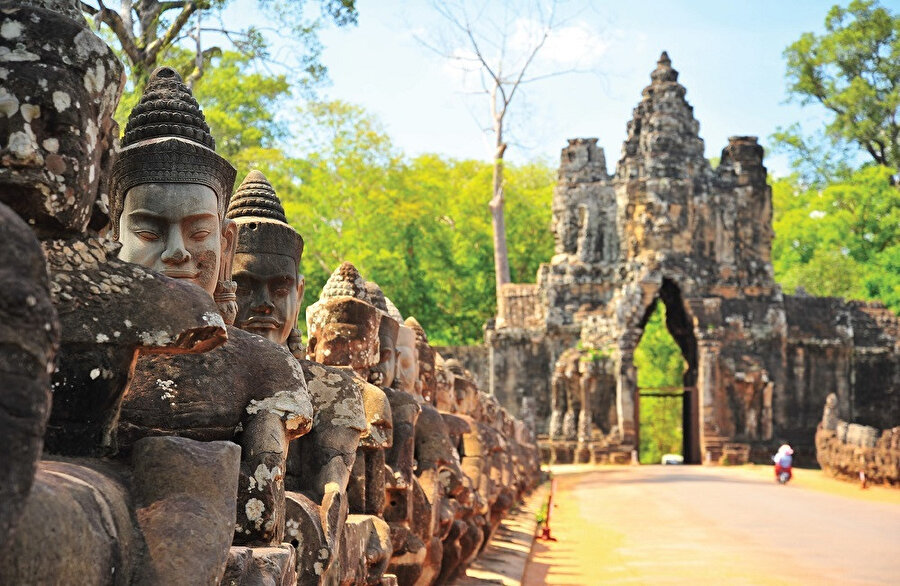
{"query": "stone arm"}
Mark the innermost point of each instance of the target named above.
(269, 426)
(260, 509)
(337, 452)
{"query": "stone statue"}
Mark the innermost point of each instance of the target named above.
(170, 188)
(830, 412)
(343, 332)
(202, 426)
(115, 525)
(269, 293)
(169, 191)
(407, 375)
(266, 261)
(29, 337)
(401, 487)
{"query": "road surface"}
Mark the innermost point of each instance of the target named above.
(705, 525)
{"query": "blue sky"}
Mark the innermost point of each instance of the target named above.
(728, 53)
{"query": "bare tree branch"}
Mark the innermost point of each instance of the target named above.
(492, 54)
(152, 50)
(114, 21)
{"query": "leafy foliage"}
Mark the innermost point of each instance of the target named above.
(843, 240)
(659, 364)
(420, 228)
(853, 71)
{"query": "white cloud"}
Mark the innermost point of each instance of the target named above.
(573, 46)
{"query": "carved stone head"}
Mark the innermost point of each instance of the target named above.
(169, 188)
(445, 394)
(266, 261)
(382, 374)
(343, 325)
(59, 86)
(425, 358)
(407, 376)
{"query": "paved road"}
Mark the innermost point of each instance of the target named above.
(656, 524)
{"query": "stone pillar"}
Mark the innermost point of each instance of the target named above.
(707, 383)
(768, 431)
(626, 399)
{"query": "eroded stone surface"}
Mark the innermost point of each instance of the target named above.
(29, 334)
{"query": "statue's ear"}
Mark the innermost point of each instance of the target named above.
(229, 242)
(301, 288)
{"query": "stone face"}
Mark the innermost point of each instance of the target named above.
(266, 261)
(666, 227)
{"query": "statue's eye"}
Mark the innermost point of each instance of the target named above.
(147, 235)
(200, 234)
(281, 291)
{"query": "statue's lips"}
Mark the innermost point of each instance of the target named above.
(260, 323)
(180, 274)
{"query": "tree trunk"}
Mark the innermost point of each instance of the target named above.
(501, 257)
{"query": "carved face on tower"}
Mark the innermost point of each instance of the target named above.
(170, 188)
(342, 324)
(56, 104)
(266, 261)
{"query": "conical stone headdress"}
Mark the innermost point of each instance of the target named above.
(167, 140)
(262, 225)
(345, 281)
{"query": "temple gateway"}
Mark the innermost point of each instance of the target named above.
(669, 228)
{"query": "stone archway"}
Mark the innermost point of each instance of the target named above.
(680, 326)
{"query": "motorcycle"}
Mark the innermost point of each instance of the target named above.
(783, 474)
(783, 463)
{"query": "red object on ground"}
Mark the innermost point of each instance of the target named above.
(779, 469)
(545, 529)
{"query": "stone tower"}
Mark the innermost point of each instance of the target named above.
(667, 227)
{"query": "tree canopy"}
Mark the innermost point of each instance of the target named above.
(853, 71)
(417, 227)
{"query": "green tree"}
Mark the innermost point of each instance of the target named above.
(853, 71)
(416, 227)
(659, 363)
(840, 241)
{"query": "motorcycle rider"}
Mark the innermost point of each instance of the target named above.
(783, 461)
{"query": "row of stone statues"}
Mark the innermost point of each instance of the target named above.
(162, 422)
(851, 451)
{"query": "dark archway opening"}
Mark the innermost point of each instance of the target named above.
(672, 401)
